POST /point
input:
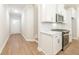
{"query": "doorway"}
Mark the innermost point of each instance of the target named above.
(15, 23)
(74, 27)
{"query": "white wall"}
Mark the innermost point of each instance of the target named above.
(4, 32)
(78, 22)
(28, 23)
(35, 21)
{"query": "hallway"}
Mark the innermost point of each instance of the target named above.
(17, 45)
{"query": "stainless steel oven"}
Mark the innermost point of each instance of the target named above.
(65, 39)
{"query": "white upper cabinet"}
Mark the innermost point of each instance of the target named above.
(60, 9)
(48, 12)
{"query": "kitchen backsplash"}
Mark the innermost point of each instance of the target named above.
(46, 27)
(58, 26)
(49, 26)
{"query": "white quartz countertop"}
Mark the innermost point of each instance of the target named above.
(50, 32)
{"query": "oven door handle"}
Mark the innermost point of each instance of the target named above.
(65, 34)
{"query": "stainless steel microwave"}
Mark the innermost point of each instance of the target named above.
(59, 18)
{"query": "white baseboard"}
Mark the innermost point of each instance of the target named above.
(39, 49)
(50, 53)
(36, 36)
(76, 38)
(29, 39)
(4, 44)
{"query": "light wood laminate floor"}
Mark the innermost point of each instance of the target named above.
(73, 49)
(17, 45)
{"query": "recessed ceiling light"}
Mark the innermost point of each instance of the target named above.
(16, 11)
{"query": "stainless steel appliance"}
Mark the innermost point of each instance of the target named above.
(65, 39)
(59, 18)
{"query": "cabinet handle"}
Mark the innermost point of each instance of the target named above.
(58, 40)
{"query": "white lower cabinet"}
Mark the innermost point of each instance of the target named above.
(50, 44)
(46, 43)
(57, 43)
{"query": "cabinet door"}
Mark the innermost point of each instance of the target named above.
(64, 14)
(49, 12)
(57, 43)
(45, 42)
(60, 8)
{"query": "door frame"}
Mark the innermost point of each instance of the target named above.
(10, 24)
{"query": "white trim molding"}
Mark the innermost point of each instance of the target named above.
(29, 39)
(39, 49)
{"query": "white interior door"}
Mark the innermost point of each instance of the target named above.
(15, 26)
(74, 27)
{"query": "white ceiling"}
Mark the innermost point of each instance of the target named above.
(22, 6)
(19, 7)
